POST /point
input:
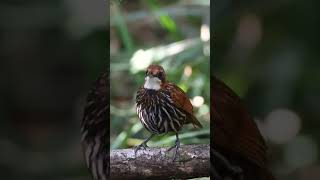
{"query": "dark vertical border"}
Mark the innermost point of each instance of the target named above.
(108, 71)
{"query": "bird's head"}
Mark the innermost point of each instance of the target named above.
(154, 77)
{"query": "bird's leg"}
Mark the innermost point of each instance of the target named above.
(143, 144)
(177, 146)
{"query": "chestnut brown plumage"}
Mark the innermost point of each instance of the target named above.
(162, 106)
(236, 136)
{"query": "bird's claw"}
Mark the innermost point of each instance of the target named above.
(176, 152)
(142, 145)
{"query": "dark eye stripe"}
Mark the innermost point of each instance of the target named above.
(160, 75)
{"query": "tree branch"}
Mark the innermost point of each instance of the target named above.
(194, 161)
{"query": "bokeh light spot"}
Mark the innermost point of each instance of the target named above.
(249, 31)
(205, 32)
(187, 71)
(197, 101)
(140, 60)
(282, 125)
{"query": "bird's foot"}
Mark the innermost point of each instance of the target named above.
(141, 146)
(176, 152)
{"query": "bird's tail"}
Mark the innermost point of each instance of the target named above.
(195, 121)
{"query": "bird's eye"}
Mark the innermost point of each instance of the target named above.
(160, 75)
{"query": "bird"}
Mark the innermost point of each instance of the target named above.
(162, 107)
(238, 145)
(94, 129)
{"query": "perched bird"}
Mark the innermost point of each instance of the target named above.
(162, 106)
(238, 146)
(94, 129)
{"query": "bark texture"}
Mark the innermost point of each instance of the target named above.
(157, 163)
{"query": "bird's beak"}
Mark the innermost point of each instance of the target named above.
(149, 76)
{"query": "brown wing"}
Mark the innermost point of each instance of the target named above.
(182, 102)
(234, 129)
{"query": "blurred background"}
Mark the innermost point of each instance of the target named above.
(268, 53)
(174, 34)
(51, 51)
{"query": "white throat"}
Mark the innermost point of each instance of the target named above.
(152, 83)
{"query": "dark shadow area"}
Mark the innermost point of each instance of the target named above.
(51, 52)
(268, 53)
